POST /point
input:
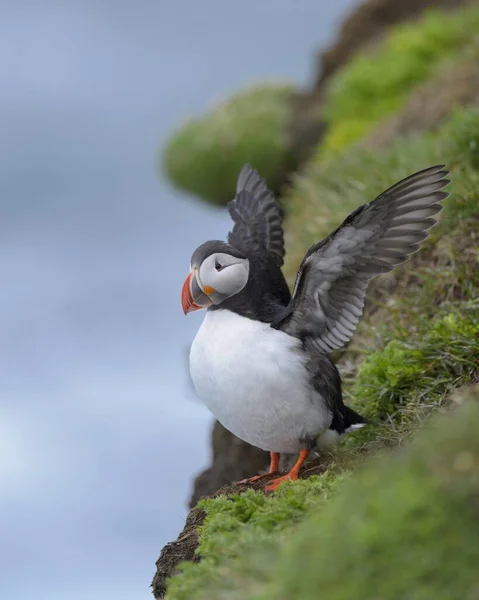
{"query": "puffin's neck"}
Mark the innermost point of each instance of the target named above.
(246, 306)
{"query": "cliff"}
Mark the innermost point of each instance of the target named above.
(391, 513)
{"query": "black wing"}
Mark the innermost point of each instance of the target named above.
(328, 296)
(257, 221)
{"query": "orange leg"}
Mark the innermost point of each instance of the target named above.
(273, 468)
(292, 475)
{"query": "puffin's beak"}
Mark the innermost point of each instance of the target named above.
(193, 296)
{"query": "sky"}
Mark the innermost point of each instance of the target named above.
(100, 432)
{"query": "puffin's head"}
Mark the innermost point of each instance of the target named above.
(218, 271)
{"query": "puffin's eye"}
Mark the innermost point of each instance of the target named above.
(218, 267)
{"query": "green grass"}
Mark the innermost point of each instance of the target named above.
(419, 335)
(373, 86)
(205, 156)
(422, 368)
(326, 191)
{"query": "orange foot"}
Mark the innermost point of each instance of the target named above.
(256, 477)
(274, 485)
(273, 468)
(291, 476)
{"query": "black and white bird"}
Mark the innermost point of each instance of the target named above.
(260, 358)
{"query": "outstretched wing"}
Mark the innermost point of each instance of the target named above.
(257, 221)
(328, 297)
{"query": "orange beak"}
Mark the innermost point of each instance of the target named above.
(193, 296)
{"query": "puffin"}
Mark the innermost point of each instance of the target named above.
(260, 360)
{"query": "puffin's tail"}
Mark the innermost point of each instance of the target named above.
(352, 420)
(344, 422)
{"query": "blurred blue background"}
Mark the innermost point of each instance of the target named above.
(100, 434)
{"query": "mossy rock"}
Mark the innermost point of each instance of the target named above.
(326, 191)
(376, 84)
(205, 156)
(240, 524)
(405, 526)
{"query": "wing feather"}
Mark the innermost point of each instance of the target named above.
(257, 220)
(330, 288)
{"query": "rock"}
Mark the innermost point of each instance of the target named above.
(456, 84)
(366, 25)
(233, 460)
(184, 547)
(369, 22)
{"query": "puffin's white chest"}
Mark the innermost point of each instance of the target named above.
(254, 381)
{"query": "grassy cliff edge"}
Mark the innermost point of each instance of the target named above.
(403, 524)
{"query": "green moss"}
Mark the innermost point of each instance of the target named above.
(421, 368)
(463, 142)
(373, 86)
(247, 525)
(205, 156)
(403, 527)
(406, 527)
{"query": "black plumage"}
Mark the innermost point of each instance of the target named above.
(257, 235)
(330, 288)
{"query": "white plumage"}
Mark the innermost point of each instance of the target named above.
(253, 379)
